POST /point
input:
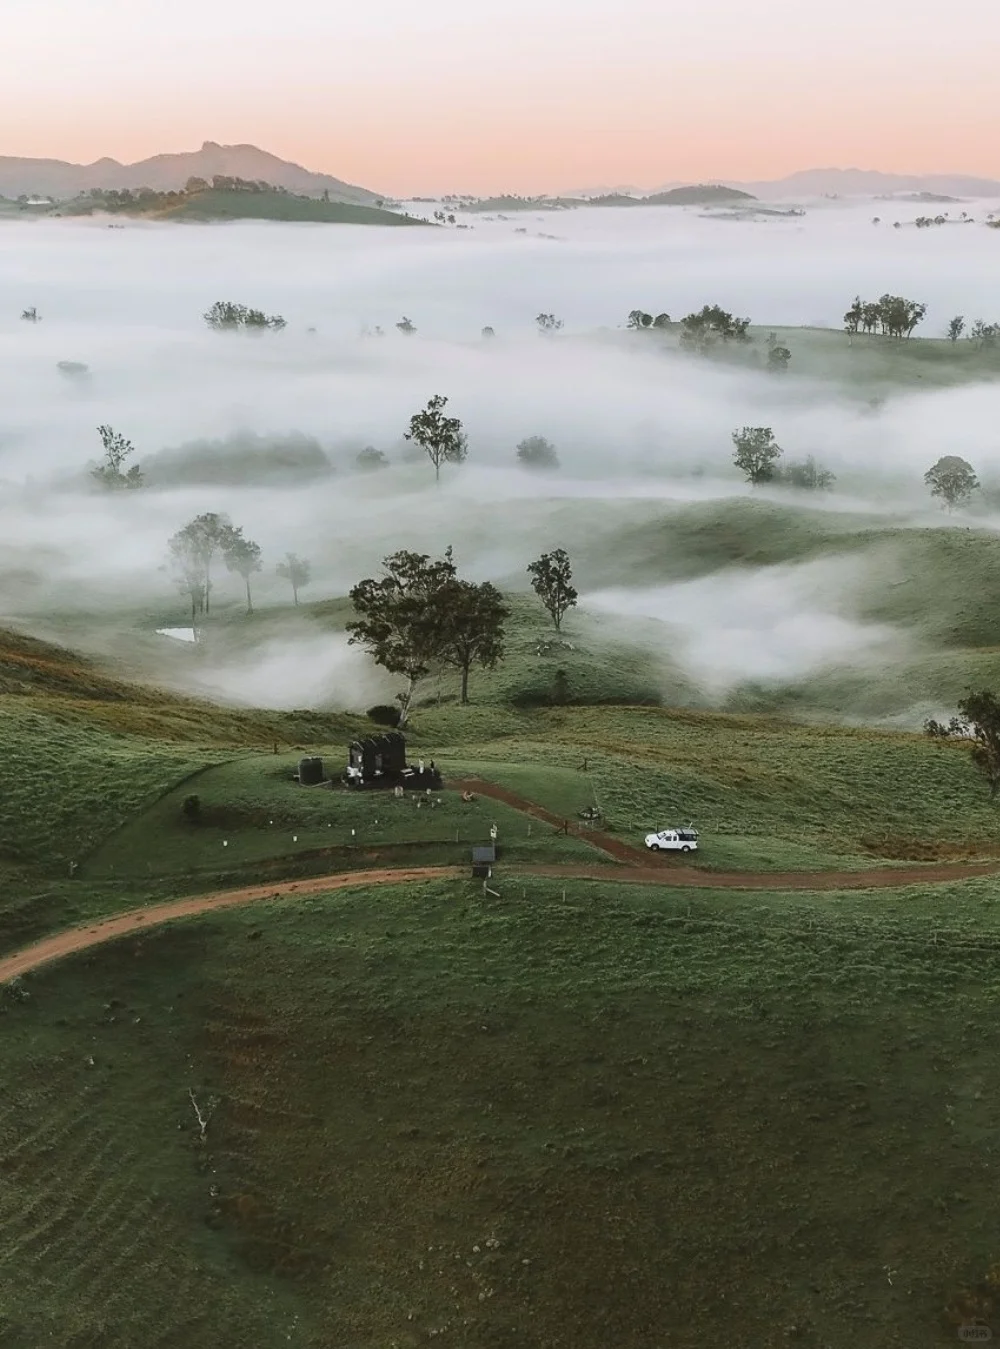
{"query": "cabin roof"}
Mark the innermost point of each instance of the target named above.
(390, 740)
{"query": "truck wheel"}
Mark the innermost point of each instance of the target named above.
(654, 847)
(685, 848)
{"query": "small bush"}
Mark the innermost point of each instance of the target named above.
(383, 714)
(191, 809)
(807, 475)
(370, 459)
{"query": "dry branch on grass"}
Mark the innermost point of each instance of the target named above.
(203, 1117)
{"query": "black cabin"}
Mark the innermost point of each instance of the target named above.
(380, 761)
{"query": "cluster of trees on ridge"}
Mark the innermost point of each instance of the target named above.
(420, 616)
(757, 454)
(707, 328)
(442, 438)
(891, 315)
(126, 199)
(225, 316)
(212, 537)
(982, 333)
(702, 330)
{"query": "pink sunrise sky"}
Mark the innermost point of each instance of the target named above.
(518, 95)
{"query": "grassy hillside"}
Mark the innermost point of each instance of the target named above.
(700, 194)
(222, 205)
(621, 1118)
(937, 588)
(83, 752)
(253, 811)
(876, 366)
(769, 793)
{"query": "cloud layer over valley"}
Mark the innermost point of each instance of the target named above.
(642, 430)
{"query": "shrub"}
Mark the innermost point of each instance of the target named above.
(537, 452)
(191, 809)
(807, 475)
(383, 714)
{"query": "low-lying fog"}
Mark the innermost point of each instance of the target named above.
(637, 428)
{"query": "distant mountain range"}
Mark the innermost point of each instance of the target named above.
(165, 173)
(836, 182)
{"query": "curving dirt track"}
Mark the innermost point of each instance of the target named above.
(137, 920)
(77, 939)
(667, 869)
(614, 847)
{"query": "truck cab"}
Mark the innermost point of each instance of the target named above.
(673, 840)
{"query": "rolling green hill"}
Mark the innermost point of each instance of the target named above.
(572, 1117)
(223, 204)
(569, 1112)
(700, 194)
(285, 206)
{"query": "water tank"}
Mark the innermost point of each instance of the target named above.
(311, 772)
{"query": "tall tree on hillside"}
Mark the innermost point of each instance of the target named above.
(548, 324)
(978, 722)
(468, 627)
(956, 327)
(552, 581)
(112, 472)
(661, 321)
(953, 479)
(397, 618)
(406, 327)
(297, 571)
(441, 438)
(869, 316)
(638, 319)
(243, 558)
(854, 317)
(188, 571)
(193, 549)
(898, 315)
(756, 453)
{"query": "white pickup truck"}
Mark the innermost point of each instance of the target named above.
(673, 840)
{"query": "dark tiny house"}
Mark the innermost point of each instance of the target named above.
(380, 761)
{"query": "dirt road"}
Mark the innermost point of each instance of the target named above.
(606, 843)
(137, 920)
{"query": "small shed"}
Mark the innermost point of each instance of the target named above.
(483, 860)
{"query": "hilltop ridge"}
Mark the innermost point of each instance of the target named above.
(168, 172)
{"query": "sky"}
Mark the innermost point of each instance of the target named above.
(511, 95)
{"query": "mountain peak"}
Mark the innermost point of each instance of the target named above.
(168, 172)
